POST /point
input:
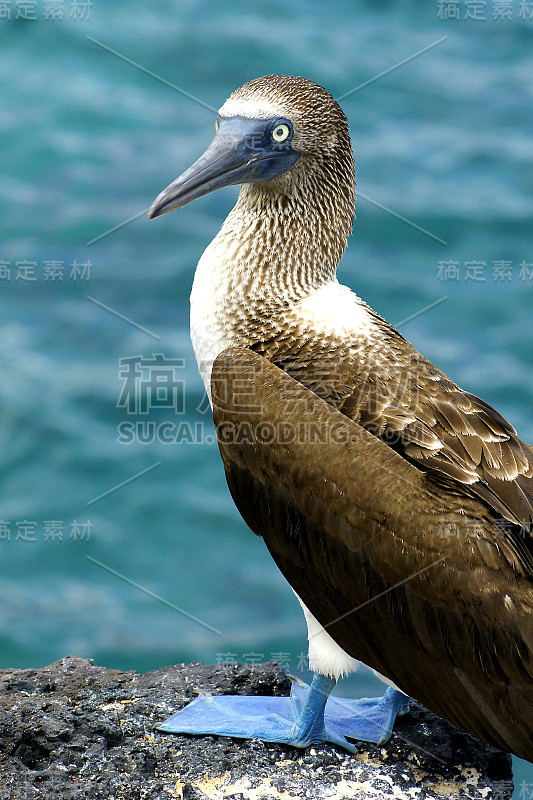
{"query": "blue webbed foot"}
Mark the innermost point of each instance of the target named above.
(368, 719)
(309, 716)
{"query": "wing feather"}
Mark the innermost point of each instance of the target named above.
(430, 420)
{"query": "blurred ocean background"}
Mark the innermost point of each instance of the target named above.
(98, 114)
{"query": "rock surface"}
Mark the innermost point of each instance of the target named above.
(74, 730)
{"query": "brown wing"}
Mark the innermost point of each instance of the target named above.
(455, 434)
(414, 580)
(401, 397)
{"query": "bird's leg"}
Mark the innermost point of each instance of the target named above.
(310, 727)
(308, 716)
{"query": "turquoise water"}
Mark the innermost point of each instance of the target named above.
(88, 140)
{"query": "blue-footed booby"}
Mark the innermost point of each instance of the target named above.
(398, 506)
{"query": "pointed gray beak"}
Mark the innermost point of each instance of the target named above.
(241, 152)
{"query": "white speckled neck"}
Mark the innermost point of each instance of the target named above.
(273, 251)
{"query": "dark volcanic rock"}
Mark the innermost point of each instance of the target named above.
(73, 730)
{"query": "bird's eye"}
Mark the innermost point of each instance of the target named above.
(281, 132)
(216, 125)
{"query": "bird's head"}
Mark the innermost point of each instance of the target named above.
(275, 131)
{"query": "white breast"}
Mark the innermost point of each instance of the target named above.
(210, 306)
(333, 310)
